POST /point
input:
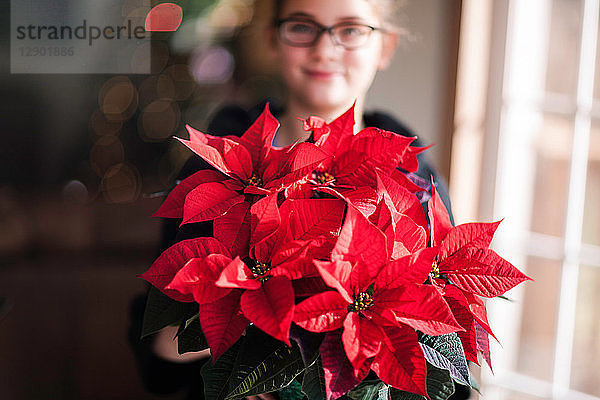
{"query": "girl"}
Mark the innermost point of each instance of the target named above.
(329, 52)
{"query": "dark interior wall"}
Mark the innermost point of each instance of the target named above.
(419, 86)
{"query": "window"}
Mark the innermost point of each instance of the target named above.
(541, 172)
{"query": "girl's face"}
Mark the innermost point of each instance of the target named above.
(326, 78)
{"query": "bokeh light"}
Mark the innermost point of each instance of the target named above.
(182, 80)
(99, 125)
(75, 193)
(160, 55)
(159, 120)
(156, 87)
(230, 14)
(212, 66)
(164, 17)
(190, 34)
(118, 99)
(121, 184)
(106, 152)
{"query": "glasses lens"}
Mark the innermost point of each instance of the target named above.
(299, 33)
(352, 35)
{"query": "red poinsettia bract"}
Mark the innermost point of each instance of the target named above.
(186, 272)
(262, 283)
(465, 261)
(394, 210)
(247, 168)
(378, 303)
(337, 138)
(353, 159)
(266, 281)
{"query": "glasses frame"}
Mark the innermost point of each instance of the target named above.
(322, 29)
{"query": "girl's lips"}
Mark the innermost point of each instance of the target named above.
(320, 74)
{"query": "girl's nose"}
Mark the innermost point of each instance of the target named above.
(326, 45)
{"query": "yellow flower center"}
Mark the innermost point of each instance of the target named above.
(261, 272)
(435, 270)
(362, 301)
(322, 177)
(254, 181)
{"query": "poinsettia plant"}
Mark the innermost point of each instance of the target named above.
(324, 277)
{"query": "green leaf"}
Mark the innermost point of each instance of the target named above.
(313, 383)
(446, 352)
(439, 386)
(190, 337)
(263, 365)
(383, 394)
(162, 311)
(293, 391)
(370, 390)
(217, 376)
(187, 322)
(439, 383)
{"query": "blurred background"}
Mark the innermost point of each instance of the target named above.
(505, 89)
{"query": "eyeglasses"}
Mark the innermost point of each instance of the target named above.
(305, 33)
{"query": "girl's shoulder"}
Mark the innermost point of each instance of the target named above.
(234, 119)
(387, 122)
